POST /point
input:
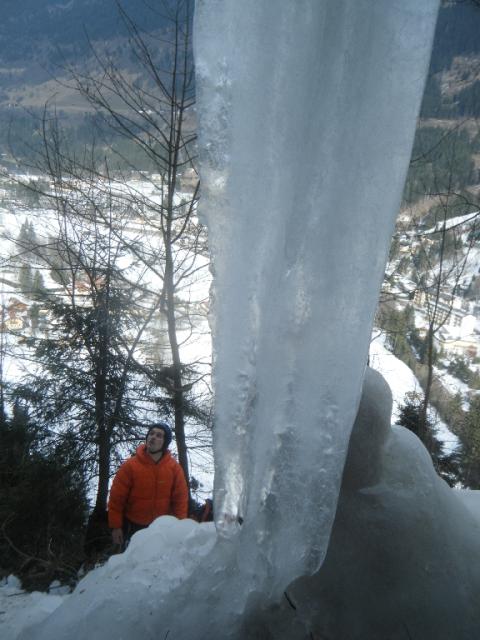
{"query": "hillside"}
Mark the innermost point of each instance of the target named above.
(34, 32)
(39, 39)
(453, 85)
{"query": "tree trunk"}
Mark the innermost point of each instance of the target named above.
(423, 428)
(178, 392)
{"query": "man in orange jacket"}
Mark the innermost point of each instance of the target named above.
(146, 486)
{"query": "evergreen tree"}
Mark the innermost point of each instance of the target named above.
(446, 465)
(25, 279)
(38, 288)
(470, 436)
(34, 315)
(43, 503)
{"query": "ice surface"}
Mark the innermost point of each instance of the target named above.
(307, 114)
(404, 556)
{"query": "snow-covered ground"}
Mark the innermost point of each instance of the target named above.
(402, 381)
(453, 385)
(158, 559)
(19, 609)
(399, 377)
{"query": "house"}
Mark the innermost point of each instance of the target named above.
(16, 307)
(458, 333)
(14, 324)
(467, 347)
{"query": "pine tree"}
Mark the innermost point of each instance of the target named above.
(38, 287)
(25, 279)
(43, 502)
(470, 436)
(446, 465)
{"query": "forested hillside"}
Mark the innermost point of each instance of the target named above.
(430, 304)
(55, 28)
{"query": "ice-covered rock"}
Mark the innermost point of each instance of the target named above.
(404, 555)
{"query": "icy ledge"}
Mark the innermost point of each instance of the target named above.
(404, 557)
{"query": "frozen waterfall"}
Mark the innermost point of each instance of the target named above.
(307, 112)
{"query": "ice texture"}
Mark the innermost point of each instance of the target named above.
(404, 554)
(307, 112)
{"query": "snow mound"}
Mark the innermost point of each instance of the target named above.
(403, 556)
(110, 601)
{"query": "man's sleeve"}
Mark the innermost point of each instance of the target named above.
(179, 494)
(119, 491)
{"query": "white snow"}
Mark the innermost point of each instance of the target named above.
(403, 557)
(457, 221)
(410, 563)
(455, 386)
(399, 377)
(109, 602)
(19, 610)
(402, 381)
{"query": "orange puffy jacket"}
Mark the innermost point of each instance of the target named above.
(143, 489)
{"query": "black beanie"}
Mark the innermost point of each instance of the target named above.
(166, 429)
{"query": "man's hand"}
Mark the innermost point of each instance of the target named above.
(117, 536)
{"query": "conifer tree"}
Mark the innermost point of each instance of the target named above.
(43, 502)
(25, 279)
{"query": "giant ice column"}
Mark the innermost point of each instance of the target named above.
(307, 111)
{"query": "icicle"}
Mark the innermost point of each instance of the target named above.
(307, 112)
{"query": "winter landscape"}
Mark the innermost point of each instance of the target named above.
(308, 321)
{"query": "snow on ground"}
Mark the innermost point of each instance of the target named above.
(156, 562)
(452, 384)
(166, 553)
(401, 381)
(458, 221)
(19, 610)
(399, 377)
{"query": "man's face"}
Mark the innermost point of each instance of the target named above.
(155, 440)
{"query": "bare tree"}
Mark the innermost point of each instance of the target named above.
(146, 121)
(429, 256)
(439, 281)
(152, 110)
